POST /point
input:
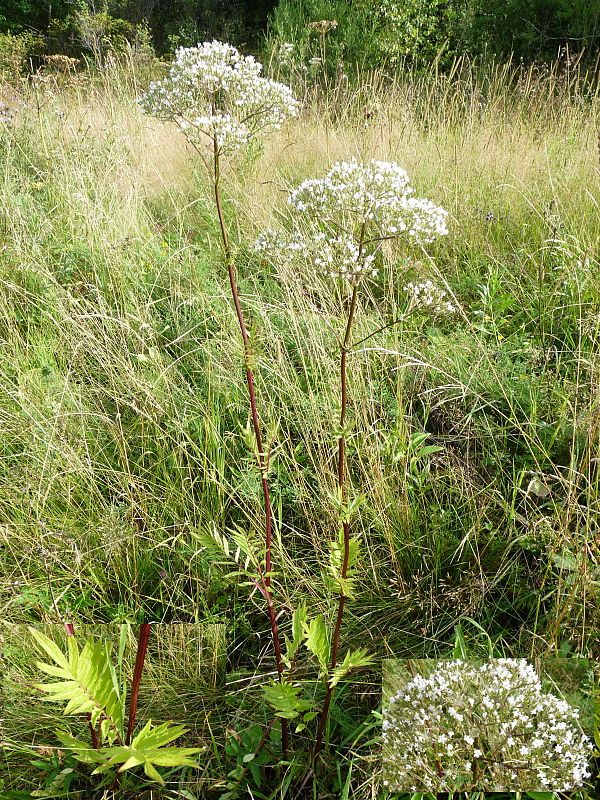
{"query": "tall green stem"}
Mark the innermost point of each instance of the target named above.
(265, 576)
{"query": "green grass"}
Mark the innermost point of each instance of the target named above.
(123, 408)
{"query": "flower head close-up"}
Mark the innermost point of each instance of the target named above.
(488, 727)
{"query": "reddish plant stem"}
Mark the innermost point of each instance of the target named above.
(143, 636)
(94, 736)
(265, 576)
(345, 525)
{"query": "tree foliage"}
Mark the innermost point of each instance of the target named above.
(172, 23)
(368, 34)
(392, 31)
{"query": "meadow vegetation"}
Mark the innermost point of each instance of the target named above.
(473, 438)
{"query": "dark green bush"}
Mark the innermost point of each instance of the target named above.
(15, 51)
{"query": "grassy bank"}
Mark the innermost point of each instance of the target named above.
(124, 414)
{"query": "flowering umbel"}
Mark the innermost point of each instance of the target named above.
(345, 217)
(215, 94)
(428, 297)
(488, 727)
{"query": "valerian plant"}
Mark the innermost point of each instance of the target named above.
(482, 727)
(338, 225)
(90, 686)
(308, 636)
(222, 103)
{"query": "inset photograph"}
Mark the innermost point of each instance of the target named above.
(506, 724)
(118, 711)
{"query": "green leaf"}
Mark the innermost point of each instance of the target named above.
(299, 619)
(245, 545)
(427, 451)
(539, 489)
(88, 685)
(283, 697)
(316, 641)
(79, 750)
(224, 551)
(57, 672)
(52, 649)
(460, 648)
(147, 750)
(415, 441)
(565, 560)
(255, 772)
(132, 761)
(175, 756)
(150, 771)
(216, 543)
(58, 787)
(335, 582)
(158, 736)
(540, 795)
(353, 660)
(345, 508)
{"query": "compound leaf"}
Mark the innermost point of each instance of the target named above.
(316, 641)
(283, 697)
(352, 660)
(88, 685)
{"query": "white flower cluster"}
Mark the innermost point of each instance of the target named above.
(340, 256)
(487, 727)
(227, 131)
(280, 246)
(377, 195)
(343, 219)
(333, 255)
(213, 91)
(428, 297)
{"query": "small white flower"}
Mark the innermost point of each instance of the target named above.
(426, 296)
